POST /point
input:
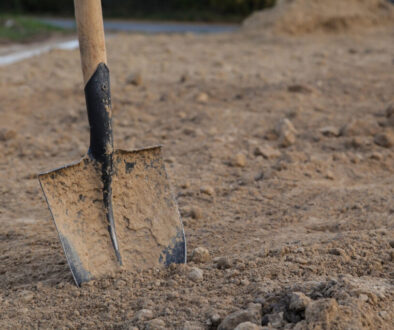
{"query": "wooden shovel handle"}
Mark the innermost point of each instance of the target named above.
(89, 18)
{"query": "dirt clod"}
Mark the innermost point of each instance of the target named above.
(385, 139)
(201, 255)
(196, 274)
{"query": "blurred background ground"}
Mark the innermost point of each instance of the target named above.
(278, 140)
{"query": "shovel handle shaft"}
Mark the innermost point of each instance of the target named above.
(89, 18)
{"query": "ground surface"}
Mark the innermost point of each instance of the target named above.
(315, 216)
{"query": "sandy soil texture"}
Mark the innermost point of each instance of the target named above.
(280, 153)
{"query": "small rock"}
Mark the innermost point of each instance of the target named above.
(248, 326)
(337, 252)
(200, 255)
(208, 190)
(231, 321)
(329, 131)
(376, 156)
(355, 127)
(329, 175)
(321, 312)
(202, 97)
(196, 213)
(222, 262)
(286, 132)
(385, 139)
(363, 297)
(215, 319)
(27, 296)
(192, 325)
(239, 160)
(155, 324)
(256, 309)
(274, 319)
(297, 88)
(300, 260)
(298, 301)
(135, 79)
(143, 315)
(196, 274)
(384, 315)
(267, 152)
(7, 134)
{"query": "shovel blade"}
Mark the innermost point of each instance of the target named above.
(148, 225)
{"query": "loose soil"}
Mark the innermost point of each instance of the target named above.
(310, 219)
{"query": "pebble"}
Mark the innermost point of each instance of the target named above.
(134, 78)
(215, 319)
(192, 325)
(202, 97)
(363, 297)
(330, 131)
(200, 255)
(239, 160)
(196, 274)
(155, 324)
(27, 296)
(208, 190)
(7, 134)
(360, 127)
(274, 319)
(222, 262)
(376, 156)
(267, 152)
(298, 301)
(196, 213)
(248, 326)
(385, 139)
(231, 321)
(329, 175)
(286, 132)
(143, 315)
(323, 309)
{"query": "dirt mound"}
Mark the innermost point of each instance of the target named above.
(305, 16)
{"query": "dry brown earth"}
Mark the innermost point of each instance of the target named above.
(297, 214)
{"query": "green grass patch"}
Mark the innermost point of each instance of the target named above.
(25, 29)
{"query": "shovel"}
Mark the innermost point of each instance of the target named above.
(113, 209)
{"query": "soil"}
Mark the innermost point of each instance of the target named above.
(306, 16)
(269, 144)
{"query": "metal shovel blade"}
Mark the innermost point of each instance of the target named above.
(148, 225)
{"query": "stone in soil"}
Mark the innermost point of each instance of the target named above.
(222, 262)
(196, 274)
(329, 131)
(299, 301)
(155, 324)
(267, 152)
(286, 133)
(248, 326)
(193, 325)
(208, 190)
(231, 321)
(135, 78)
(385, 139)
(143, 315)
(239, 160)
(200, 255)
(357, 127)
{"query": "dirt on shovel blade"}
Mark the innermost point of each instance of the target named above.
(147, 221)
